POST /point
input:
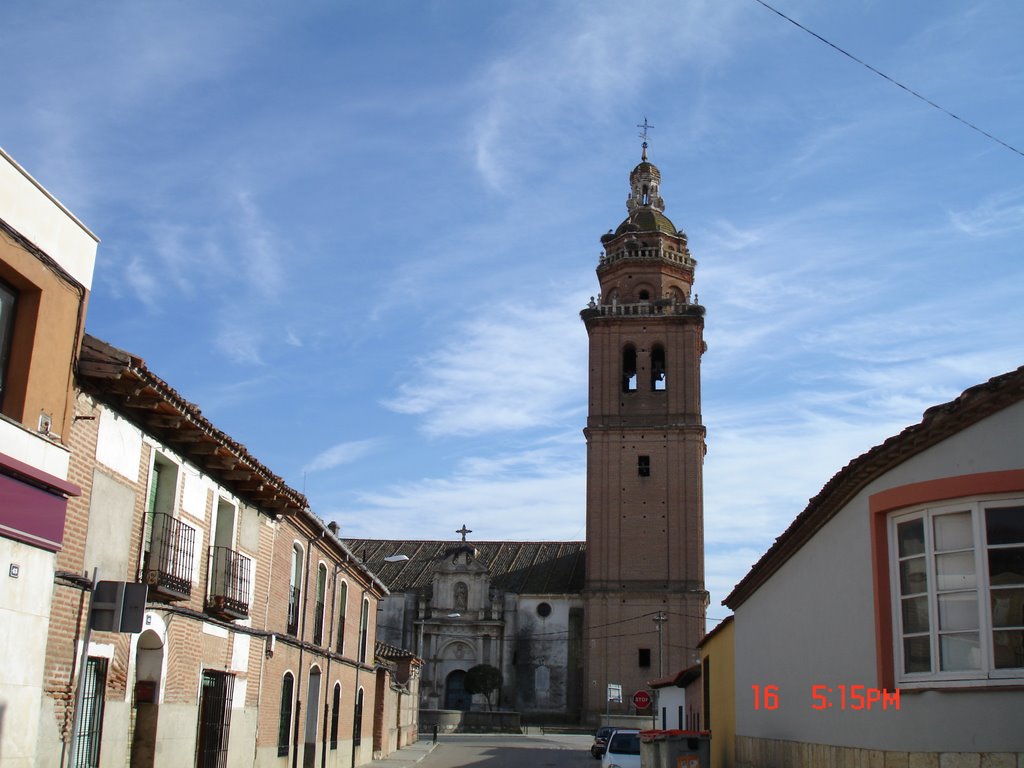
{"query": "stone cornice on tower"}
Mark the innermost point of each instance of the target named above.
(646, 268)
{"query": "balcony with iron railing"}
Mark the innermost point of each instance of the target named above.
(168, 565)
(293, 611)
(228, 584)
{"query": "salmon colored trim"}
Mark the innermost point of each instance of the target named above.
(884, 655)
(880, 505)
(1007, 481)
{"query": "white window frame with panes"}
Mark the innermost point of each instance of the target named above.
(958, 605)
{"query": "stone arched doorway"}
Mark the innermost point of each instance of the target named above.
(149, 665)
(455, 694)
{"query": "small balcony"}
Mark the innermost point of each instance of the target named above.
(228, 584)
(168, 568)
(293, 611)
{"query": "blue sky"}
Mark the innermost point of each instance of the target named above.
(358, 236)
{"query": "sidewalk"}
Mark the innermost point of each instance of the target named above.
(407, 756)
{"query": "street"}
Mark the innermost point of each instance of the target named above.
(535, 750)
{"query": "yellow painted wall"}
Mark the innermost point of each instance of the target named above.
(717, 655)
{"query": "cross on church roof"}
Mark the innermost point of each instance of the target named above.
(643, 135)
(463, 530)
(646, 126)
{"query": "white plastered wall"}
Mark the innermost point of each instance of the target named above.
(813, 623)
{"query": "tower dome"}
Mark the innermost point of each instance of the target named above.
(645, 205)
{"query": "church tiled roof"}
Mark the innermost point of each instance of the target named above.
(520, 567)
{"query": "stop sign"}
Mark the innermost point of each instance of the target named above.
(641, 699)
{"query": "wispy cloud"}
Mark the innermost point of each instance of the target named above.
(996, 215)
(533, 494)
(569, 68)
(511, 368)
(342, 453)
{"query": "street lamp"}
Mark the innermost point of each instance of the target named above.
(660, 620)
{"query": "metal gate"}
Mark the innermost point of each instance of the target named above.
(87, 752)
(214, 719)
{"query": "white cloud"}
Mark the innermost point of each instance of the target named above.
(142, 283)
(510, 368)
(576, 61)
(342, 453)
(511, 496)
(997, 215)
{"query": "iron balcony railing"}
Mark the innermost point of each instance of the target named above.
(168, 568)
(293, 611)
(229, 583)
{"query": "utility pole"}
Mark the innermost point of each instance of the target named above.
(660, 620)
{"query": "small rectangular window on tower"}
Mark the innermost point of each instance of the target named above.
(643, 466)
(644, 657)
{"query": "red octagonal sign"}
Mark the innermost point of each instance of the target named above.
(641, 699)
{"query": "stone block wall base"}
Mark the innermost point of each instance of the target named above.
(775, 753)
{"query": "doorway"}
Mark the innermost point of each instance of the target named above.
(312, 715)
(149, 663)
(455, 694)
(214, 719)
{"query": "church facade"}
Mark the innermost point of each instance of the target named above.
(515, 606)
(577, 627)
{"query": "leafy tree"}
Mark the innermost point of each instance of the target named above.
(485, 679)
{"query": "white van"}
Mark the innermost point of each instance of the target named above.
(623, 750)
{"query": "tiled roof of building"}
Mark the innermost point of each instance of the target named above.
(520, 567)
(937, 424)
(123, 381)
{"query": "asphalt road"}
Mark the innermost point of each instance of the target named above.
(498, 751)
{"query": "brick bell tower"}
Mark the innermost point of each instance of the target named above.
(644, 596)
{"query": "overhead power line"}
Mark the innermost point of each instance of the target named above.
(897, 83)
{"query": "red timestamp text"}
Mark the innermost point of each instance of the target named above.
(840, 696)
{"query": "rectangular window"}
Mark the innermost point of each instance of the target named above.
(169, 553)
(644, 657)
(284, 721)
(321, 604)
(7, 300)
(357, 724)
(335, 715)
(364, 625)
(958, 580)
(342, 608)
(643, 466)
(87, 748)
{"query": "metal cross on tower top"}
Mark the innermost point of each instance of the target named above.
(463, 530)
(646, 127)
